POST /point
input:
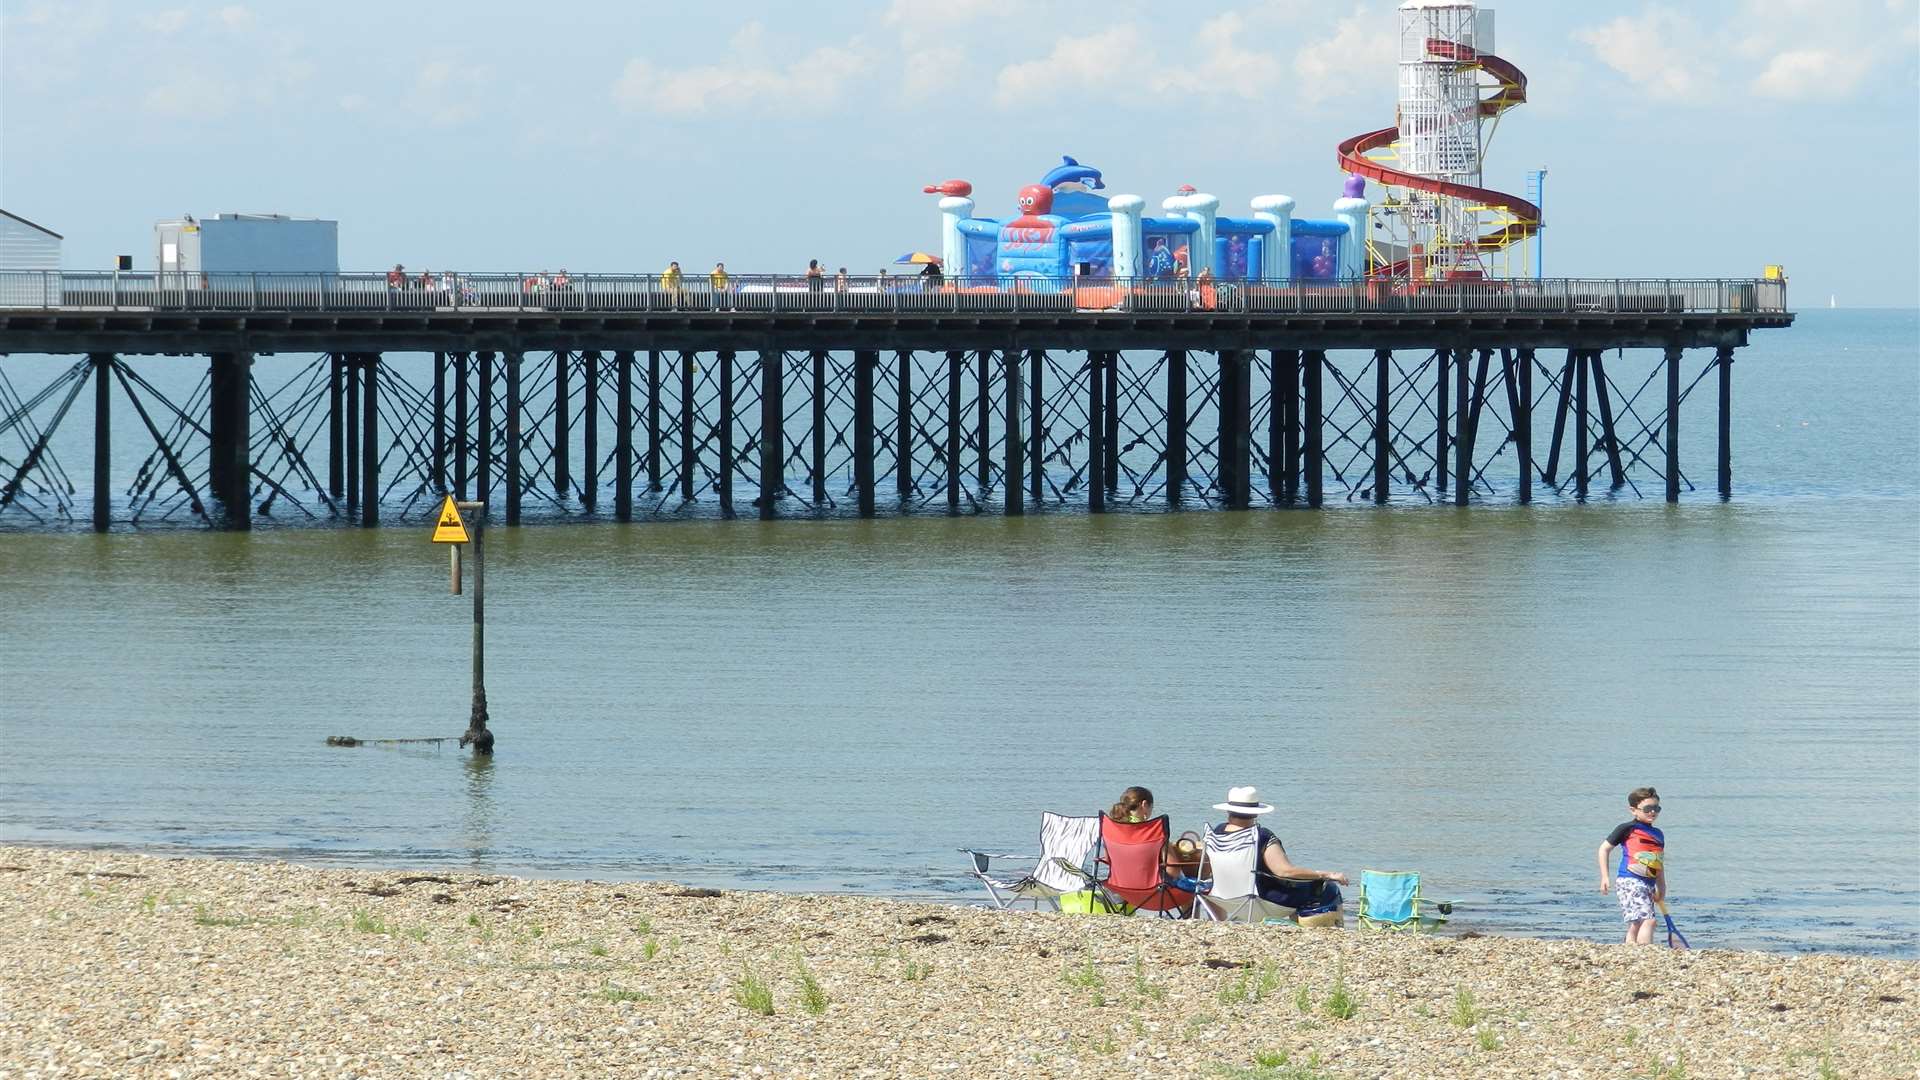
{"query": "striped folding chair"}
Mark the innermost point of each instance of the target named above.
(1232, 859)
(1065, 843)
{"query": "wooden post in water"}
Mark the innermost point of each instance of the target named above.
(102, 441)
(478, 734)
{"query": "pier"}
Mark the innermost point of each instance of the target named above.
(623, 397)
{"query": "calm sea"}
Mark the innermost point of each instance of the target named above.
(840, 705)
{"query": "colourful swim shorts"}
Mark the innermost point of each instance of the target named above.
(1636, 897)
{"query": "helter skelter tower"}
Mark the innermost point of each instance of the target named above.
(1437, 220)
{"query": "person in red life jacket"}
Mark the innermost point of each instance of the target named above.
(1640, 878)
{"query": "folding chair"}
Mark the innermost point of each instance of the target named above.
(1065, 842)
(1131, 852)
(1231, 860)
(1391, 900)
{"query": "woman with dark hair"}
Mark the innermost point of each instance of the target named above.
(1136, 804)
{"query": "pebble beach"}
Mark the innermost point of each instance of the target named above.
(127, 965)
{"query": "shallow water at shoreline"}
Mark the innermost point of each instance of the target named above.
(840, 705)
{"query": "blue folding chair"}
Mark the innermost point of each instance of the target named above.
(1391, 900)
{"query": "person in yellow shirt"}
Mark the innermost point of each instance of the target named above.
(670, 283)
(718, 279)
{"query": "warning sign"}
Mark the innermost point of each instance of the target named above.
(450, 530)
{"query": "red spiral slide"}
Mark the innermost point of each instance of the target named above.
(1511, 91)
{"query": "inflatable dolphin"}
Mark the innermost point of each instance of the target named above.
(1070, 171)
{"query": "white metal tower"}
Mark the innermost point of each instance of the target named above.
(1441, 42)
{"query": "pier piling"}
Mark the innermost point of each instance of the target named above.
(369, 444)
(818, 464)
(483, 435)
(1314, 455)
(623, 436)
(1580, 425)
(102, 441)
(956, 361)
(462, 447)
(562, 429)
(1096, 432)
(723, 427)
(513, 444)
(1176, 426)
(590, 429)
(773, 412)
(865, 362)
(1724, 361)
(336, 414)
(1673, 357)
(1016, 439)
(1382, 426)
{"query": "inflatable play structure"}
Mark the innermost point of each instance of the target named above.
(1068, 228)
(1434, 221)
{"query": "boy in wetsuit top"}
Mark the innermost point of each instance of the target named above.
(1640, 879)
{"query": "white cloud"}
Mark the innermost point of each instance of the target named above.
(1355, 59)
(1228, 59)
(1789, 50)
(1079, 62)
(747, 77)
(235, 17)
(1659, 51)
(170, 21)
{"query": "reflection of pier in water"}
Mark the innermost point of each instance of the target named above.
(624, 399)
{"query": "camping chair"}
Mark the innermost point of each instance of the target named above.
(1391, 900)
(1064, 842)
(1232, 858)
(1131, 852)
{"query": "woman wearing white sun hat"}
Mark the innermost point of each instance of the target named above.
(1311, 892)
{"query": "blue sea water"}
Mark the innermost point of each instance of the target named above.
(841, 705)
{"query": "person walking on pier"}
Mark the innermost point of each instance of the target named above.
(1640, 879)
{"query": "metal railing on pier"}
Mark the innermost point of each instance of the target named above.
(366, 293)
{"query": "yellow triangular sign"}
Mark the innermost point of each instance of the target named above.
(450, 530)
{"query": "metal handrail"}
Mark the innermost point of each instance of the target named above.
(352, 293)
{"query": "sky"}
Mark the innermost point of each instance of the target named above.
(1695, 139)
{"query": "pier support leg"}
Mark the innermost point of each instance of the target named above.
(1462, 418)
(461, 443)
(725, 430)
(1236, 441)
(1036, 424)
(350, 364)
(370, 443)
(1096, 432)
(1315, 451)
(1016, 442)
(1723, 359)
(1110, 439)
(102, 441)
(955, 361)
(483, 434)
(1441, 358)
(773, 446)
(689, 461)
(513, 447)
(590, 430)
(1287, 370)
(336, 414)
(562, 424)
(819, 421)
(1176, 426)
(983, 410)
(1567, 373)
(1608, 436)
(653, 420)
(903, 426)
(1674, 354)
(1523, 420)
(1281, 362)
(439, 422)
(1580, 426)
(623, 436)
(1382, 426)
(865, 361)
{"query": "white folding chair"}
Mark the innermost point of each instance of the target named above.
(1232, 859)
(1065, 843)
